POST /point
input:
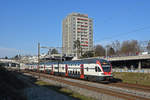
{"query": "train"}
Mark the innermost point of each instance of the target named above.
(87, 69)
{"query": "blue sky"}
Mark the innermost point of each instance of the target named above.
(24, 23)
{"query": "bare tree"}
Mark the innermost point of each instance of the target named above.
(148, 47)
(130, 47)
(111, 51)
(116, 45)
(99, 50)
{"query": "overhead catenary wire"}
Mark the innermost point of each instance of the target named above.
(126, 33)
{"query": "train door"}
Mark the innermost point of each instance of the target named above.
(58, 65)
(44, 69)
(38, 68)
(82, 71)
(66, 70)
(52, 71)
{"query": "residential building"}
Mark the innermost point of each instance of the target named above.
(77, 26)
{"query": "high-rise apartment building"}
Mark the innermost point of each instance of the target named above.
(77, 26)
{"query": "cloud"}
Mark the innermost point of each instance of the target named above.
(8, 52)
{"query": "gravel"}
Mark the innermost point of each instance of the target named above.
(35, 92)
(85, 92)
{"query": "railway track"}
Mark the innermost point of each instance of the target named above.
(132, 86)
(118, 90)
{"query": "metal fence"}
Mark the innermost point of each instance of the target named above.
(136, 70)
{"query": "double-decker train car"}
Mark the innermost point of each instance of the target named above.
(88, 69)
(31, 67)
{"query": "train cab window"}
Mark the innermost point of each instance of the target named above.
(97, 69)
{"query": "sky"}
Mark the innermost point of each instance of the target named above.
(24, 23)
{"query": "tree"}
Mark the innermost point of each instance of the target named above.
(6, 57)
(99, 50)
(78, 48)
(148, 47)
(116, 46)
(17, 57)
(111, 51)
(88, 54)
(54, 51)
(130, 47)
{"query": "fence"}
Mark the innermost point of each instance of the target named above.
(127, 70)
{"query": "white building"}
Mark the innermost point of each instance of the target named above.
(77, 27)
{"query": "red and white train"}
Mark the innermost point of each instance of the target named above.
(88, 69)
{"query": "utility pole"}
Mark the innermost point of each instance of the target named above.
(39, 59)
(106, 53)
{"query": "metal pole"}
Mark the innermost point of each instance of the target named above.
(106, 53)
(39, 59)
(61, 53)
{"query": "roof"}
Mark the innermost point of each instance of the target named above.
(81, 61)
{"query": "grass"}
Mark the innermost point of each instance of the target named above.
(63, 90)
(135, 78)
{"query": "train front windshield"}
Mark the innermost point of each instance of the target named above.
(106, 68)
(105, 65)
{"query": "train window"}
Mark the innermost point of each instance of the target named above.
(95, 68)
(106, 69)
(78, 72)
(62, 68)
(87, 69)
